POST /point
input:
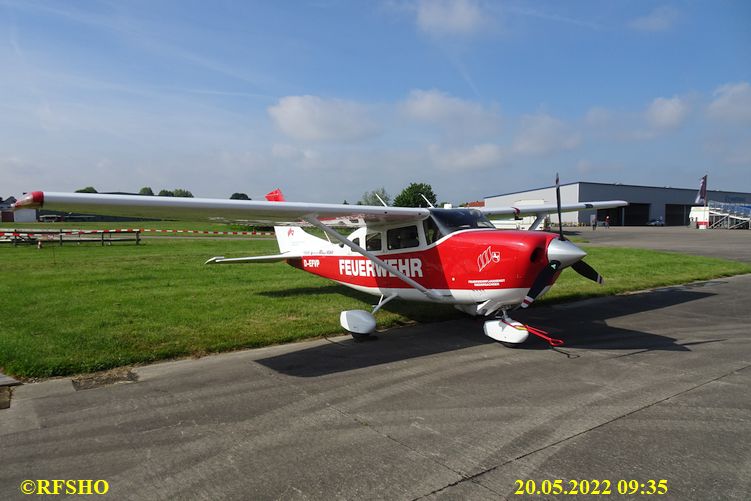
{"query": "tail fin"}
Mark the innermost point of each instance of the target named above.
(293, 239)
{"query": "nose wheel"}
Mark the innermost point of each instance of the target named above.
(512, 334)
(506, 330)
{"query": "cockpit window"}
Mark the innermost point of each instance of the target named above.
(432, 232)
(450, 220)
(402, 238)
(373, 241)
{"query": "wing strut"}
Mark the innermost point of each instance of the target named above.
(341, 238)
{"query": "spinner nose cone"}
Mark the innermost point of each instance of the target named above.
(564, 252)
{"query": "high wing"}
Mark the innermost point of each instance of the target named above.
(214, 209)
(542, 210)
(260, 212)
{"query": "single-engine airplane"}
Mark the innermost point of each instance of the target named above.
(453, 256)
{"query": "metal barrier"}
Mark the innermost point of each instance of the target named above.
(729, 216)
(38, 237)
(34, 236)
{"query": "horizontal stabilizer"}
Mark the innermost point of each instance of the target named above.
(251, 259)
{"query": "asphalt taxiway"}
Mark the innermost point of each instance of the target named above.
(727, 244)
(649, 386)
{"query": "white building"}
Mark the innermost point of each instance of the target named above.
(646, 203)
(19, 216)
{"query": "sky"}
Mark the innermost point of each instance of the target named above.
(327, 99)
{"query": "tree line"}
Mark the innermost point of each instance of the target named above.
(414, 195)
(177, 192)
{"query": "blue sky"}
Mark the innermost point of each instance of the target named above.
(327, 99)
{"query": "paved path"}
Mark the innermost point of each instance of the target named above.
(728, 244)
(7, 380)
(649, 386)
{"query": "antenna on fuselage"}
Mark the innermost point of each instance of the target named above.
(558, 203)
(380, 199)
(428, 201)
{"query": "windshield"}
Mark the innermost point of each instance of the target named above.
(445, 221)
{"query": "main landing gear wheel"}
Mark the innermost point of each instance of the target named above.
(363, 338)
(359, 323)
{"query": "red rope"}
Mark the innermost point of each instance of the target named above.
(544, 335)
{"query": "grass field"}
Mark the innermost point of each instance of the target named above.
(75, 309)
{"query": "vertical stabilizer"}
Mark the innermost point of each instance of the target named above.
(293, 239)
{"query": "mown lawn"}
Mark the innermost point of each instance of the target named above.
(74, 309)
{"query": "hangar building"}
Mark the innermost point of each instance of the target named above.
(646, 203)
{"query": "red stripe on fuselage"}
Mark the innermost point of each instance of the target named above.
(469, 260)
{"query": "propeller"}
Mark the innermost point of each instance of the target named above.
(579, 266)
(587, 271)
(561, 253)
(540, 282)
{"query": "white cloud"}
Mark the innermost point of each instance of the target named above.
(458, 115)
(311, 118)
(731, 103)
(543, 134)
(597, 117)
(660, 19)
(450, 17)
(664, 113)
(481, 156)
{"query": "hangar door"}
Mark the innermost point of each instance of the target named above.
(677, 214)
(614, 213)
(635, 214)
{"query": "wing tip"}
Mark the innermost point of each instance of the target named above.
(33, 200)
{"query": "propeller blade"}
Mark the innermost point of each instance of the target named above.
(587, 271)
(558, 201)
(540, 282)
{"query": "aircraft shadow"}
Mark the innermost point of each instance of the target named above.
(582, 325)
(415, 311)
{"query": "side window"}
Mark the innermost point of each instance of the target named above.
(373, 241)
(402, 238)
(432, 233)
(356, 241)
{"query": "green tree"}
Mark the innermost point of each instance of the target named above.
(88, 189)
(371, 197)
(146, 190)
(239, 196)
(179, 192)
(166, 193)
(410, 196)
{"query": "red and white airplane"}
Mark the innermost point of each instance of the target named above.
(452, 256)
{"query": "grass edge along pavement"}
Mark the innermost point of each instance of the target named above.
(80, 309)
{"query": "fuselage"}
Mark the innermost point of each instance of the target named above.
(469, 266)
